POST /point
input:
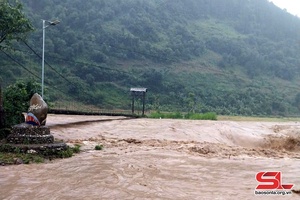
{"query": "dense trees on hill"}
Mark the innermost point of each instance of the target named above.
(160, 30)
(233, 56)
(13, 23)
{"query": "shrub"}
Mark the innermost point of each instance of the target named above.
(76, 148)
(204, 116)
(99, 147)
(16, 99)
(66, 153)
(156, 115)
(177, 115)
(69, 151)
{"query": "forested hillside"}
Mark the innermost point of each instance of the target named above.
(230, 57)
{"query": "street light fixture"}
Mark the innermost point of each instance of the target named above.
(49, 23)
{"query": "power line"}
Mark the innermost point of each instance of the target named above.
(72, 84)
(20, 64)
(220, 72)
(47, 63)
(76, 62)
(28, 70)
(89, 64)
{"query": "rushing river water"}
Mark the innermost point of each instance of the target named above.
(143, 174)
(150, 168)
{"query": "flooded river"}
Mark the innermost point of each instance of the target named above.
(156, 159)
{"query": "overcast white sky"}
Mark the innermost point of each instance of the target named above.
(292, 6)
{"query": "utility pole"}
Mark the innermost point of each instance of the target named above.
(50, 23)
(2, 116)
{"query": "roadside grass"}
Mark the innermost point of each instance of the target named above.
(10, 155)
(178, 115)
(214, 116)
(7, 158)
(257, 119)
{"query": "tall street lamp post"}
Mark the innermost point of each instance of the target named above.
(49, 23)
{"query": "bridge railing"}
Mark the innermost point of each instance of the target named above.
(74, 111)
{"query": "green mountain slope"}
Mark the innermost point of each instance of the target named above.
(231, 57)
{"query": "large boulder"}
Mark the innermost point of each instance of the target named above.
(37, 111)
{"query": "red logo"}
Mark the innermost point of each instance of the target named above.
(271, 181)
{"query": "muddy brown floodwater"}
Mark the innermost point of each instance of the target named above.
(159, 159)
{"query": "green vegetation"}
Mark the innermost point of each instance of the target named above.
(258, 119)
(76, 148)
(12, 154)
(16, 99)
(204, 116)
(19, 158)
(158, 115)
(13, 23)
(99, 147)
(230, 57)
(177, 115)
(66, 153)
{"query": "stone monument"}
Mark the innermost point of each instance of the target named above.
(34, 132)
